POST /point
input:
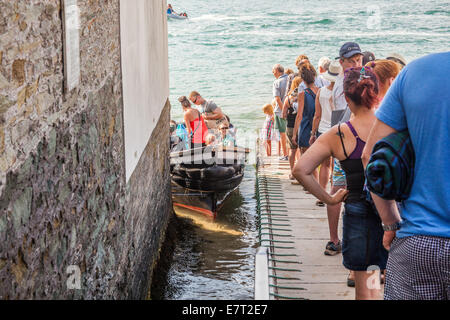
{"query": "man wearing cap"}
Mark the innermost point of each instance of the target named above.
(350, 56)
(398, 58)
(367, 57)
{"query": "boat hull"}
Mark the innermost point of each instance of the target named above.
(206, 203)
(202, 179)
(175, 16)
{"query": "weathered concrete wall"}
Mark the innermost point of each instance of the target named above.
(144, 42)
(64, 199)
(149, 206)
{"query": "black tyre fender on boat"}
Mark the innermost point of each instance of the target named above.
(194, 173)
(208, 185)
(212, 173)
(217, 173)
(179, 171)
(238, 168)
(179, 180)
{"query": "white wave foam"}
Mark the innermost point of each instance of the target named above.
(329, 33)
(219, 17)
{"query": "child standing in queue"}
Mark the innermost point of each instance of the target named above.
(268, 132)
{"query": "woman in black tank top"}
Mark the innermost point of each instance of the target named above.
(362, 246)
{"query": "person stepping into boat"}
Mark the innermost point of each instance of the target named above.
(211, 113)
(195, 125)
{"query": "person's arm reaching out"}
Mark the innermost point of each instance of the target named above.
(216, 115)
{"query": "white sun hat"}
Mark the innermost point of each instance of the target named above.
(397, 58)
(334, 70)
(323, 61)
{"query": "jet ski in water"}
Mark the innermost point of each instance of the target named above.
(171, 14)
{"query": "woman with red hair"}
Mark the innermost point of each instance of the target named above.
(362, 247)
(386, 72)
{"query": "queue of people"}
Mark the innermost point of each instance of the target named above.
(332, 120)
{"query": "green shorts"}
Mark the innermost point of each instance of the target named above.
(280, 124)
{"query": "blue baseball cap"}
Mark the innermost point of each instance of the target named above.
(349, 49)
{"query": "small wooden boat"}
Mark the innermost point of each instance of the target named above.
(176, 16)
(203, 178)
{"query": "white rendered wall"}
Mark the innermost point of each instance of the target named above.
(145, 72)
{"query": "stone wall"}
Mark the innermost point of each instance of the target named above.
(64, 200)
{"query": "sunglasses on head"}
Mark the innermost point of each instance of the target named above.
(362, 72)
(359, 69)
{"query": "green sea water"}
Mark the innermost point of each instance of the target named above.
(226, 49)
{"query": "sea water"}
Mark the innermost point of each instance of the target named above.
(214, 259)
(226, 50)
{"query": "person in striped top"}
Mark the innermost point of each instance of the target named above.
(268, 132)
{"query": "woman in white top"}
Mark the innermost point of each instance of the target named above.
(322, 118)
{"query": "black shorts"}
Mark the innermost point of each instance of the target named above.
(362, 238)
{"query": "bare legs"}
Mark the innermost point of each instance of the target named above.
(292, 156)
(324, 174)
(333, 213)
(283, 143)
(367, 285)
(269, 148)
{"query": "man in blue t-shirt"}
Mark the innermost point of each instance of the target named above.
(419, 258)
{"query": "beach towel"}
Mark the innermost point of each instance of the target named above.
(390, 172)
